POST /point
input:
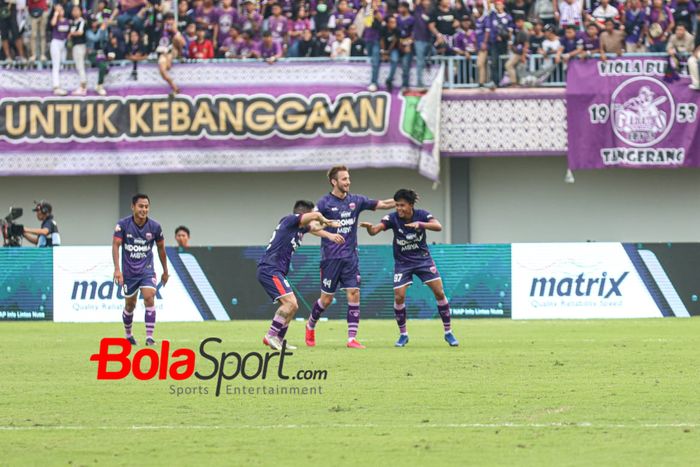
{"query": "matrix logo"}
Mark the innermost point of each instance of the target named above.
(178, 365)
(579, 286)
(107, 290)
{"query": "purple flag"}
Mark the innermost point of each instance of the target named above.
(622, 113)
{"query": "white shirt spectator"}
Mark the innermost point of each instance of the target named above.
(570, 13)
(550, 49)
(341, 49)
(602, 13)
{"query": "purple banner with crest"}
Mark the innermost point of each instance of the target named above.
(245, 116)
(631, 112)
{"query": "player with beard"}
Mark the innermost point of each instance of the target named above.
(273, 267)
(135, 235)
(412, 257)
(339, 257)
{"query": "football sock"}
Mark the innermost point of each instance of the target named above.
(353, 319)
(283, 332)
(276, 326)
(127, 319)
(150, 320)
(400, 314)
(315, 315)
(444, 310)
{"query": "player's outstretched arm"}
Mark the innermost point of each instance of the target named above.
(433, 225)
(118, 277)
(163, 261)
(373, 229)
(386, 204)
(316, 221)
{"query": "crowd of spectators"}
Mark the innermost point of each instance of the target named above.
(394, 31)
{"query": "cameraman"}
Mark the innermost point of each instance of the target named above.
(48, 234)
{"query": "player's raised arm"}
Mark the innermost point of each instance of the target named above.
(373, 229)
(386, 204)
(433, 224)
(118, 277)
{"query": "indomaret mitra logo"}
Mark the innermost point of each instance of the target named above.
(643, 111)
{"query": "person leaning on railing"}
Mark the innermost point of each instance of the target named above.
(612, 40)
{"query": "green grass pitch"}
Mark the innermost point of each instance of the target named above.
(514, 393)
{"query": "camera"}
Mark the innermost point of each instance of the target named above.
(11, 232)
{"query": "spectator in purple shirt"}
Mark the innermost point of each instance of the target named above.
(660, 25)
(278, 25)
(464, 43)
(501, 32)
(344, 16)
(373, 17)
(483, 33)
(227, 18)
(421, 35)
(591, 42)
(635, 27)
(247, 48)
(296, 30)
(251, 20)
(229, 46)
(270, 49)
(572, 43)
(207, 16)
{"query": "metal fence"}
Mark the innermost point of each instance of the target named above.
(460, 72)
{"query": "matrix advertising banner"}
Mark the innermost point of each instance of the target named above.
(222, 282)
(26, 284)
(604, 280)
(84, 290)
(240, 117)
(624, 113)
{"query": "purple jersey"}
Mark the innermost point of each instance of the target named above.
(410, 247)
(273, 50)
(571, 45)
(285, 240)
(346, 211)
(483, 26)
(60, 31)
(591, 44)
(344, 20)
(209, 18)
(137, 245)
(634, 23)
(420, 25)
(405, 25)
(278, 27)
(227, 19)
(246, 49)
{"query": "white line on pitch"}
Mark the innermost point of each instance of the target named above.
(349, 425)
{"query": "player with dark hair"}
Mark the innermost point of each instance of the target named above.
(136, 235)
(182, 236)
(339, 259)
(273, 267)
(412, 256)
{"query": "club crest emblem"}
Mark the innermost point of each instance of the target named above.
(643, 111)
